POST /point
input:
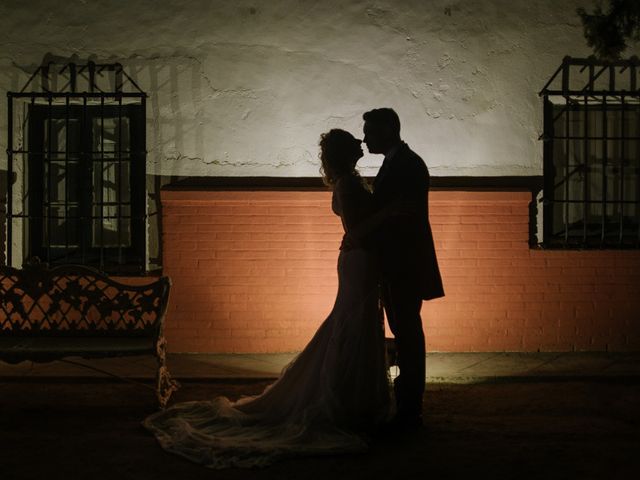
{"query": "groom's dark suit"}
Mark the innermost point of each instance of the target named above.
(409, 268)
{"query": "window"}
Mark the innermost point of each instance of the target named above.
(83, 191)
(592, 156)
(84, 182)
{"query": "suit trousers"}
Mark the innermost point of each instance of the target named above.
(402, 301)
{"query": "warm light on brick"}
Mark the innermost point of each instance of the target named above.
(255, 271)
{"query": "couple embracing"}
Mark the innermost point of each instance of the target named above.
(336, 394)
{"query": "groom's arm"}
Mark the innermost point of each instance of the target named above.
(409, 189)
(405, 197)
(365, 228)
(359, 216)
(368, 227)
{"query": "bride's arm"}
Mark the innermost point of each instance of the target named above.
(360, 219)
(374, 221)
(412, 186)
(348, 201)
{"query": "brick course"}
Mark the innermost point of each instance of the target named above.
(255, 271)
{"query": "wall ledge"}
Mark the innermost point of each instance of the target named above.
(508, 183)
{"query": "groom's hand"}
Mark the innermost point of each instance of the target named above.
(347, 243)
(402, 208)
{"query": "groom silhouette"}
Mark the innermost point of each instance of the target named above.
(408, 261)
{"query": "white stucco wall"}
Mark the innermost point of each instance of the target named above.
(244, 88)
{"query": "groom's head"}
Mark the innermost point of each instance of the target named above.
(381, 129)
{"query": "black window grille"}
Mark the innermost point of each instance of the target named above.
(592, 155)
(77, 174)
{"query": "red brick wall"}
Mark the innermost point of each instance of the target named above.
(255, 271)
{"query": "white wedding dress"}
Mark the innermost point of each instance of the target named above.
(326, 401)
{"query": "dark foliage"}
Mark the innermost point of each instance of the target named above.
(608, 32)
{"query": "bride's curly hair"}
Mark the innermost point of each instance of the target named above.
(336, 147)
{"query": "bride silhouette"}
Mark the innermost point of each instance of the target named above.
(336, 392)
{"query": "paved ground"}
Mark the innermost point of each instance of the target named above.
(566, 416)
(441, 367)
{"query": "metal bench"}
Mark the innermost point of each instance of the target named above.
(75, 310)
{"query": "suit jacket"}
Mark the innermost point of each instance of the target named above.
(405, 243)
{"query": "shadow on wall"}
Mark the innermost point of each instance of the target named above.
(175, 86)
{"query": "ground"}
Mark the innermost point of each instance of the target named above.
(516, 428)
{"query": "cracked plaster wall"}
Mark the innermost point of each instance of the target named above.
(244, 88)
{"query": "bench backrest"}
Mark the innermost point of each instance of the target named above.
(75, 300)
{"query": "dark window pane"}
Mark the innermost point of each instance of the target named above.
(109, 228)
(111, 137)
(111, 182)
(61, 229)
(61, 181)
(60, 140)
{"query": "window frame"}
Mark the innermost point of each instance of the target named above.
(581, 87)
(592, 145)
(130, 259)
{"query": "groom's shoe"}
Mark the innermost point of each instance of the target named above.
(402, 424)
(407, 423)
